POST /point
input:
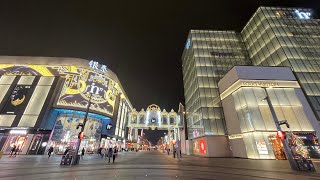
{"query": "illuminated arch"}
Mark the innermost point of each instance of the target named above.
(153, 107)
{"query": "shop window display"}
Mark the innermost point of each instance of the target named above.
(65, 134)
(16, 140)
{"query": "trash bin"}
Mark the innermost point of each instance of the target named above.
(1, 154)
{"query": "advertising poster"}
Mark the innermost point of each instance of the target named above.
(17, 100)
(203, 146)
(262, 147)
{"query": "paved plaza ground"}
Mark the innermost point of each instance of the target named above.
(148, 165)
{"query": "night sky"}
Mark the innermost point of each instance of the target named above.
(142, 42)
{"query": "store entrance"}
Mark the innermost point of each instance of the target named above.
(277, 147)
(15, 140)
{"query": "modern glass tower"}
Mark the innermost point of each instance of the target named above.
(287, 37)
(207, 57)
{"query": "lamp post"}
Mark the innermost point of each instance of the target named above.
(74, 159)
(292, 162)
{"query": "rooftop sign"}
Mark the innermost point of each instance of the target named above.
(96, 66)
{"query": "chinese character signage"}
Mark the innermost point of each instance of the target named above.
(96, 66)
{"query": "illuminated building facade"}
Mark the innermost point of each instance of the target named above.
(207, 57)
(43, 99)
(272, 37)
(287, 37)
(155, 119)
(252, 132)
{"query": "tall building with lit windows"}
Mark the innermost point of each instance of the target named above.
(207, 57)
(287, 37)
(272, 37)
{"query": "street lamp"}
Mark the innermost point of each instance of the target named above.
(75, 160)
(287, 149)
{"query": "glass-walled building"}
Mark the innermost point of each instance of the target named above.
(207, 57)
(287, 37)
(43, 99)
(250, 124)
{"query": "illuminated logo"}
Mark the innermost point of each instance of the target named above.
(109, 126)
(303, 15)
(95, 65)
(188, 43)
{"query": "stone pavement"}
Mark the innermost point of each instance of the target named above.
(147, 165)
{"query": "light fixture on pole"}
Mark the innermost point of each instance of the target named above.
(292, 162)
(75, 159)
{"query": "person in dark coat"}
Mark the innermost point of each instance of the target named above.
(66, 151)
(115, 153)
(13, 150)
(16, 151)
(50, 150)
(110, 154)
(82, 152)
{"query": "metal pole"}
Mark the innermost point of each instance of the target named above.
(292, 162)
(74, 162)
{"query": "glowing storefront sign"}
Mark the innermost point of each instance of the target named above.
(235, 136)
(18, 131)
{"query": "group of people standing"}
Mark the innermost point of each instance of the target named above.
(109, 152)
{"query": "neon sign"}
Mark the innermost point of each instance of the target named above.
(100, 67)
(303, 15)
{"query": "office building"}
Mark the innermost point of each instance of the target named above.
(287, 37)
(207, 57)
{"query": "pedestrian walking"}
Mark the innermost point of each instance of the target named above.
(50, 150)
(168, 151)
(82, 152)
(115, 153)
(16, 151)
(99, 151)
(103, 152)
(13, 149)
(110, 154)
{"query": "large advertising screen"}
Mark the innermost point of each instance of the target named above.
(17, 100)
(78, 85)
(78, 88)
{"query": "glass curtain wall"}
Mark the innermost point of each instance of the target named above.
(208, 56)
(256, 122)
(278, 37)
